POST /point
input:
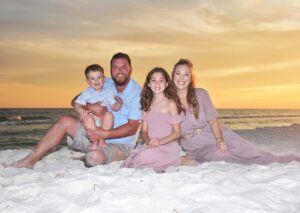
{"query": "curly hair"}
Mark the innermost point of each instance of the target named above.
(170, 91)
(191, 94)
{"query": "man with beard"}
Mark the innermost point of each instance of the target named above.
(119, 139)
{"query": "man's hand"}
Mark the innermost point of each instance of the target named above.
(96, 109)
(83, 114)
(92, 135)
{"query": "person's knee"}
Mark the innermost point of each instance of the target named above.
(108, 115)
(94, 158)
(66, 121)
(108, 121)
(89, 122)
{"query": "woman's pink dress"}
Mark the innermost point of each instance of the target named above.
(160, 158)
(202, 146)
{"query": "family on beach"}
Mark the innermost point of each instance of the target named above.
(169, 111)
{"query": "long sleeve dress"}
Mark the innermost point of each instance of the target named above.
(200, 143)
(159, 158)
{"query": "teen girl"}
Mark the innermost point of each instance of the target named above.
(160, 124)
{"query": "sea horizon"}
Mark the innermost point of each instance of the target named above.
(23, 127)
(216, 108)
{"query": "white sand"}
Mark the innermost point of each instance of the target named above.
(61, 184)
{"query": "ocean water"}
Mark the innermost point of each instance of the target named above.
(33, 124)
(273, 130)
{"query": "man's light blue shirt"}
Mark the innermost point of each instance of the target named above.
(130, 110)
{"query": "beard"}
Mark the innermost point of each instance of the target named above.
(120, 82)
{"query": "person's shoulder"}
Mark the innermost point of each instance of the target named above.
(172, 107)
(109, 83)
(135, 85)
(108, 90)
(201, 91)
(135, 88)
(88, 90)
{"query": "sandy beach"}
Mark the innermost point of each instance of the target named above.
(245, 54)
(60, 184)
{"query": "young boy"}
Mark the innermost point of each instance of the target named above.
(95, 93)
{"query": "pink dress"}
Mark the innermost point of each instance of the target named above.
(201, 146)
(160, 158)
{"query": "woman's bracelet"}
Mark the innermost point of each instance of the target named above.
(219, 140)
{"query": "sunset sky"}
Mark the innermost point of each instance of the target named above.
(245, 53)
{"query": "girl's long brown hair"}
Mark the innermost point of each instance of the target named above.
(191, 94)
(170, 91)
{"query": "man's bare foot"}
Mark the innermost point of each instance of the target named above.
(186, 161)
(24, 163)
(82, 158)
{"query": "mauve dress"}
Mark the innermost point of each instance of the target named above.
(159, 158)
(202, 146)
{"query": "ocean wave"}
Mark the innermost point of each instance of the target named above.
(258, 116)
(24, 122)
(275, 130)
(274, 139)
(23, 117)
(294, 127)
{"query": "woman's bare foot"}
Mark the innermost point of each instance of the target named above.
(186, 161)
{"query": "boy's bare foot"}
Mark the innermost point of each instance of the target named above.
(186, 161)
(102, 144)
(94, 146)
(88, 122)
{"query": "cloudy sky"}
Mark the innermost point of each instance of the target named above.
(245, 53)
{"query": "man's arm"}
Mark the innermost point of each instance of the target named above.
(81, 110)
(74, 99)
(95, 108)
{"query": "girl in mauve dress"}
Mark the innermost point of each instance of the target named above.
(160, 124)
(203, 138)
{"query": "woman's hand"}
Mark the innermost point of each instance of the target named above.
(154, 142)
(222, 145)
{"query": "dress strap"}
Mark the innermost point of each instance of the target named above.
(175, 119)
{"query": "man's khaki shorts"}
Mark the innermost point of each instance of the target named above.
(112, 152)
